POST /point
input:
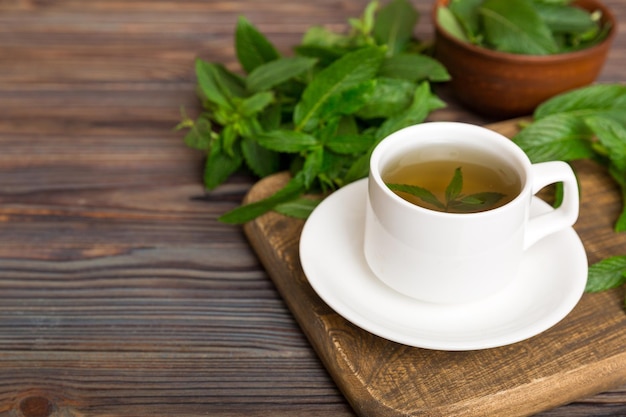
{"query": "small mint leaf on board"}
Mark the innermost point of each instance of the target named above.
(242, 214)
(252, 47)
(606, 274)
(299, 208)
(514, 26)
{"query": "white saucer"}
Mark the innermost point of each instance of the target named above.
(550, 283)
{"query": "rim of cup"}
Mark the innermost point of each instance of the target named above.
(384, 153)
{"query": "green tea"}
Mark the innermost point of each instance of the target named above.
(454, 186)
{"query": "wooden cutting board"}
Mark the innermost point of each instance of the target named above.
(582, 355)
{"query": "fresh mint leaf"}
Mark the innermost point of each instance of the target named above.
(260, 160)
(271, 117)
(394, 25)
(349, 71)
(514, 26)
(288, 141)
(364, 26)
(414, 68)
(423, 103)
(324, 45)
(271, 74)
(347, 101)
(612, 135)
(349, 144)
(252, 105)
(358, 169)
(228, 137)
(565, 19)
(389, 97)
(312, 165)
(242, 214)
(299, 208)
(419, 192)
(560, 136)
(220, 165)
(252, 47)
(212, 89)
(606, 274)
(466, 12)
(449, 22)
(608, 99)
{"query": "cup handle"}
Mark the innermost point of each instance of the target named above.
(565, 215)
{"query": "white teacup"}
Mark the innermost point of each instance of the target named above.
(448, 257)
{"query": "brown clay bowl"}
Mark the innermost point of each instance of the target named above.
(500, 84)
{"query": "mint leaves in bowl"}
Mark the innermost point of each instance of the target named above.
(508, 56)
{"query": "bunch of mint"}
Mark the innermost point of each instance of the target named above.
(531, 27)
(586, 123)
(318, 113)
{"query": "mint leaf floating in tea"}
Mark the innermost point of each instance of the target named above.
(419, 192)
(453, 199)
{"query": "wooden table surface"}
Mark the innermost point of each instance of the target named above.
(120, 292)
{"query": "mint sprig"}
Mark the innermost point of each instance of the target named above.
(318, 113)
(587, 123)
(455, 201)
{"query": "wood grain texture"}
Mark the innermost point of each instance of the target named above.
(120, 292)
